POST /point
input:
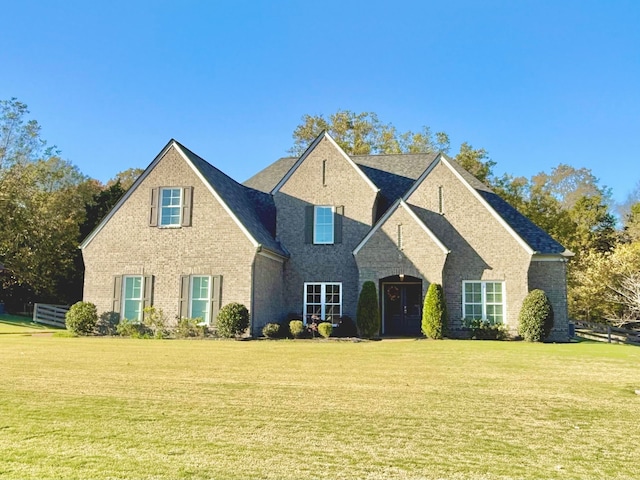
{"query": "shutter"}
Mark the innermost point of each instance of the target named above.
(153, 210)
(308, 224)
(183, 308)
(187, 200)
(117, 294)
(337, 224)
(216, 295)
(148, 291)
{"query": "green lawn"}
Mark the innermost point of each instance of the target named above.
(97, 408)
(22, 325)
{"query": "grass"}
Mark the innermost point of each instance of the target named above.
(22, 325)
(78, 408)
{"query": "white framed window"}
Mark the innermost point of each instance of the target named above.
(132, 297)
(200, 297)
(170, 207)
(323, 224)
(483, 300)
(323, 300)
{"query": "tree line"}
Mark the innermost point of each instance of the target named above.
(47, 207)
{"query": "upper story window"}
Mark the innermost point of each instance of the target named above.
(323, 224)
(171, 207)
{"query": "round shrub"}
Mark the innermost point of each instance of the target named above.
(368, 313)
(107, 323)
(325, 329)
(232, 320)
(81, 318)
(270, 330)
(434, 312)
(296, 327)
(346, 328)
(536, 317)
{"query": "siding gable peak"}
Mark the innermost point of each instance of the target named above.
(324, 135)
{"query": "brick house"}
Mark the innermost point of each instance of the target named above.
(304, 234)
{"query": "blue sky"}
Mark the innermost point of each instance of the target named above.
(536, 83)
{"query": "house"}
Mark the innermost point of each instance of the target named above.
(304, 234)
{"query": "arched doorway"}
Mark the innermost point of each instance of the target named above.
(401, 304)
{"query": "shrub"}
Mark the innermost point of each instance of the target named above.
(153, 318)
(189, 328)
(536, 317)
(325, 329)
(270, 330)
(232, 321)
(434, 313)
(296, 327)
(368, 313)
(133, 329)
(283, 331)
(346, 328)
(107, 323)
(485, 330)
(81, 318)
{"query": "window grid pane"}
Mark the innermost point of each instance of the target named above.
(484, 300)
(170, 206)
(200, 295)
(132, 302)
(323, 300)
(323, 225)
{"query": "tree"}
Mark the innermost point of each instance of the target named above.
(568, 185)
(631, 230)
(99, 205)
(368, 313)
(434, 312)
(476, 162)
(126, 178)
(363, 134)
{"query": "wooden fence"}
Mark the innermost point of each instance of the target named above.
(606, 333)
(50, 314)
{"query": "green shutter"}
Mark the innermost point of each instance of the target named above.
(153, 210)
(216, 296)
(147, 300)
(337, 224)
(117, 294)
(187, 200)
(183, 307)
(308, 224)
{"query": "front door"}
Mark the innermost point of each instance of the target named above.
(402, 308)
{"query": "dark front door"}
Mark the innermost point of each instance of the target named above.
(402, 308)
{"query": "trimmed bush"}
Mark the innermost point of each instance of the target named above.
(232, 320)
(485, 330)
(325, 329)
(81, 318)
(434, 313)
(153, 318)
(107, 323)
(270, 330)
(368, 313)
(536, 317)
(189, 328)
(296, 327)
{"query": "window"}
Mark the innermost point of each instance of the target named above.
(323, 300)
(200, 297)
(484, 300)
(132, 297)
(323, 225)
(170, 206)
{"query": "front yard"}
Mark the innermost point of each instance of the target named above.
(99, 408)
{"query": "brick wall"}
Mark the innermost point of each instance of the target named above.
(267, 293)
(127, 245)
(550, 276)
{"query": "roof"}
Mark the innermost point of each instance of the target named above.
(253, 211)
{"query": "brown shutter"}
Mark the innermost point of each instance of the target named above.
(216, 296)
(148, 291)
(337, 224)
(308, 224)
(187, 200)
(183, 308)
(117, 293)
(153, 211)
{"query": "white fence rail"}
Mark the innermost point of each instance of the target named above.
(50, 314)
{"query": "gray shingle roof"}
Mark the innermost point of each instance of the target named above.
(254, 209)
